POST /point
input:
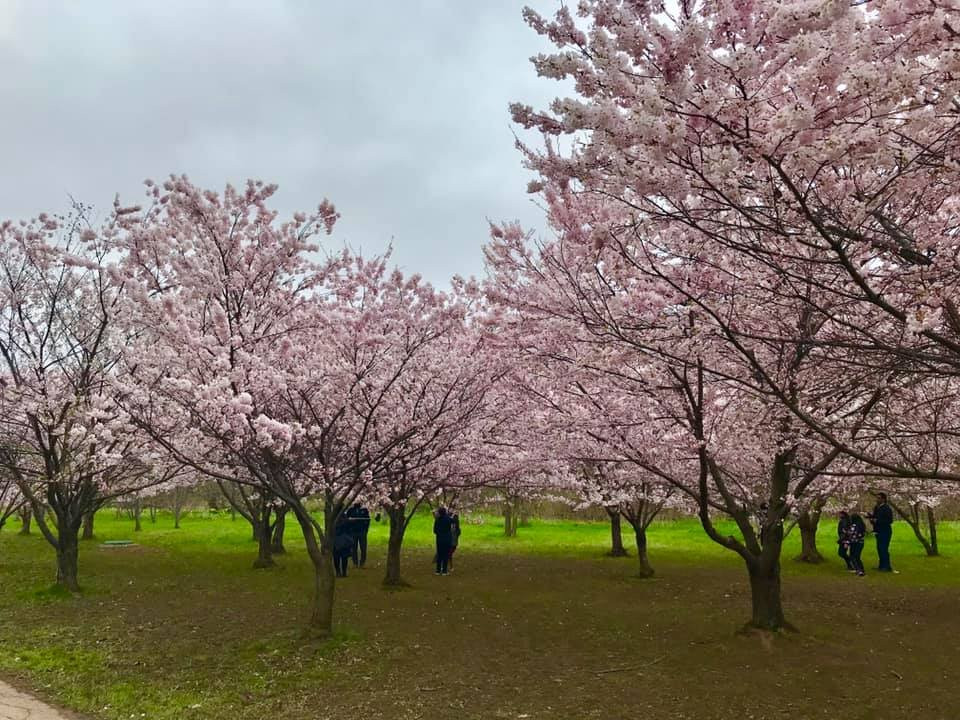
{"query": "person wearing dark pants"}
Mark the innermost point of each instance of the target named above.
(360, 526)
(856, 532)
(843, 541)
(342, 546)
(454, 538)
(443, 530)
(882, 519)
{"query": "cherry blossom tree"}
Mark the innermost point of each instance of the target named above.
(818, 140)
(644, 334)
(63, 439)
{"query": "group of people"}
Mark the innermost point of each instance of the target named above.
(350, 538)
(852, 533)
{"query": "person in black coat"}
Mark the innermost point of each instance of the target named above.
(882, 519)
(359, 518)
(856, 531)
(843, 541)
(443, 530)
(343, 541)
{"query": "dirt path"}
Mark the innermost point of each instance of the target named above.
(15, 705)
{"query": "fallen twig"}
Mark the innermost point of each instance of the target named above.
(631, 667)
(897, 675)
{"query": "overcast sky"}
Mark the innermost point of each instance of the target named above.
(395, 111)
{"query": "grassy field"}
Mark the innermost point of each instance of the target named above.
(537, 626)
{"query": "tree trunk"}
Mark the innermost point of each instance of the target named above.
(808, 523)
(320, 625)
(137, 510)
(264, 544)
(524, 518)
(645, 570)
(68, 557)
(26, 515)
(616, 534)
(152, 510)
(394, 545)
(88, 525)
(279, 526)
(176, 516)
(915, 522)
(765, 596)
(321, 616)
(934, 549)
(509, 525)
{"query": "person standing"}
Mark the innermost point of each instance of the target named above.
(882, 519)
(455, 538)
(843, 540)
(360, 526)
(856, 531)
(443, 530)
(343, 540)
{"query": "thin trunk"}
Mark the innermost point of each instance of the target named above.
(88, 525)
(262, 531)
(808, 521)
(398, 526)
(616, 534)
(153, 514)
(509, 526)
(913, 519)
(137, 510)
(321, 614)
(644, 570)
(276, 544)
(26, 515)
(934, 549)
(177, 509)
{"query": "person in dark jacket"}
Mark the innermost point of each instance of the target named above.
(455, 538)
(443, 530)
(856, 531)
(882, 519)
(843, 541)
(359, 518)
(343, 541)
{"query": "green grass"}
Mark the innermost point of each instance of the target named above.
(541, 625)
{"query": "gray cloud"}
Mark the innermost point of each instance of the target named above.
(395, 111)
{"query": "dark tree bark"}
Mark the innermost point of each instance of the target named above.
(279, 526)
(509, 521)
(320, 625)
(177, 510)
(88, 519)
(808, 522)
(398, 526)
(932, 527)
(765, 595)
(26, 515)
(616, 533)
(152, 511)
(264, 533)
(137, 511)
(68, 559)
(644, 569)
